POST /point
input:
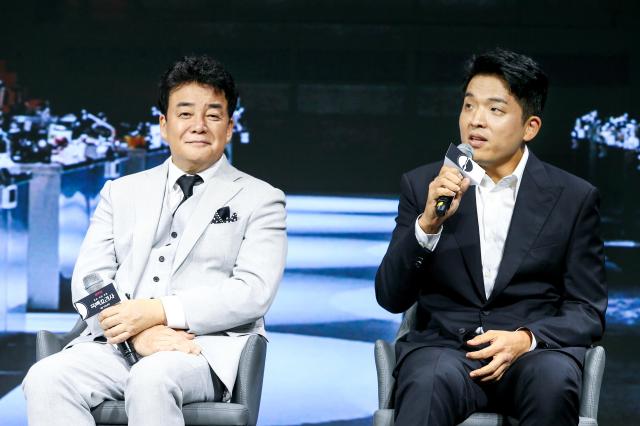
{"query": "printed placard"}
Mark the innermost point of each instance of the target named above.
(466, 165)
(98, 301)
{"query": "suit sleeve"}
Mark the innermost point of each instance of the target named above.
(581, 317)
(97, 252)
(399, 275)
(246, 295)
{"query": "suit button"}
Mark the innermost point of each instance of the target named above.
(174, 234)
(486, 313)
(156, 279)
(417, 264)
(462, 330)
(161, 258)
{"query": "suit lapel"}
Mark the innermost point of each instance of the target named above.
(216, 194)
(537, 197)
(464, 226)
(149, 196)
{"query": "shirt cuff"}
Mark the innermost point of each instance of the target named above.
(174, 311)
(534, 343)
(426, 241)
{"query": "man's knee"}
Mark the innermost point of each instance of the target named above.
(39, 377)
(552, 369)
(152, 371)
(47, 375)
(435, 370)
(434, 386)
(551, 381)
(155, 375)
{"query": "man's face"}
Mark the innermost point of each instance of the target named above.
(491, 122)
(197, 126)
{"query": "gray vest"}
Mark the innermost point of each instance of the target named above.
(156, 278)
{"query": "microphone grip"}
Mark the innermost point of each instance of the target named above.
(442, 205)
(128, 352)
(126, 348)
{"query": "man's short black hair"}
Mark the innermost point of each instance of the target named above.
(525, 79)
(202, 70)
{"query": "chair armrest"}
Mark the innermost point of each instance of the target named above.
(384, 417)
(248, 386)
(408, 321)
(591, 380)
(47, 344)
(385, 363)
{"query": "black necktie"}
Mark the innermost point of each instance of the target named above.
(186, 183)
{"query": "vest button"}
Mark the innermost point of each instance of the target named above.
(161, 258)
(156, 279)
(174, 234)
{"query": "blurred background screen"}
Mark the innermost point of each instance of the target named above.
(337, 100)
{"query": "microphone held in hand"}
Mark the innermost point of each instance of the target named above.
(100, 297)
(462, 155)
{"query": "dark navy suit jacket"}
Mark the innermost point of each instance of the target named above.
(551, 279)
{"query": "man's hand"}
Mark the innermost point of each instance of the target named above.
(130, 317)
(449, 183)
(162, 338)
(504, 347)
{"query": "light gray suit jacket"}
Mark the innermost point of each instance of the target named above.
(226, 275)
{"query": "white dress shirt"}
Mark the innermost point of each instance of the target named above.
(494, 205)
(172, 189)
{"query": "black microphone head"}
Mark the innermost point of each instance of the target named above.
(92, 281)
(466, 149)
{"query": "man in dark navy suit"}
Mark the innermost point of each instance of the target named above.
(510, 282)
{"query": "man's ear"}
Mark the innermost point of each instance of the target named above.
(230, 130)
(532, 127)
(163, 126)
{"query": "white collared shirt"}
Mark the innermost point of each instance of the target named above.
(494, 205)
(172, 189)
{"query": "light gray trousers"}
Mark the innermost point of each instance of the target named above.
(62, 388)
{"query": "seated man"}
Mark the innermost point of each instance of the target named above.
(510, 281)
(199, 245)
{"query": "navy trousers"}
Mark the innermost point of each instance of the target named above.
(433, 387)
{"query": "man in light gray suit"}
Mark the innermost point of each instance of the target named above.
(198, 245)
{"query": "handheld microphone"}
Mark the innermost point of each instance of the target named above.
(100, 297)
(444, 202)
